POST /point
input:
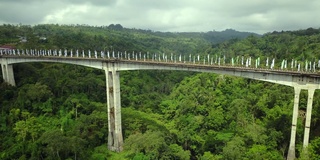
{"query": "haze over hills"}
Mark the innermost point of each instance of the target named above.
(113, 37)
(211, 36)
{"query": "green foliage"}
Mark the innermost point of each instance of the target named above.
(59, 111)
(140, 156)
(261, 152)
(234, 149)
(100, 152)
(313, 149)
(210, 156)
(36, 97)
(154, 145)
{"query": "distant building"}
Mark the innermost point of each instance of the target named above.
(23, 39)
(43, 38)
(5, 48)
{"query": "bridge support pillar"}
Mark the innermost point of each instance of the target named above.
(115, 139)
(291, 153)
(4, 73)
(7, 73)
(308, 118)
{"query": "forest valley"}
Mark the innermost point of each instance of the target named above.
(59, 111)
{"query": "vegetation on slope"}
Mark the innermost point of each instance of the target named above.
(59, 112)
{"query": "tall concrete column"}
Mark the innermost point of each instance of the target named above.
(117, 103)
(7, 72)
(291, 152)
(110, 105)
(115, 139)
(10, 75)
(4, 72)
(308, 118)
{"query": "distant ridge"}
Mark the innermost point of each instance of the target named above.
(218, 37)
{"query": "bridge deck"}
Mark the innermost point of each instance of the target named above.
(173, 64)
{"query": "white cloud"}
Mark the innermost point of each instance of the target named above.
(70, 14)
(167, 15)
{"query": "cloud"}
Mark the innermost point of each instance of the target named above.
(167, 15)
(92, 2)
(21, 12)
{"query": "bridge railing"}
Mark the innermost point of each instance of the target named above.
(239, 61)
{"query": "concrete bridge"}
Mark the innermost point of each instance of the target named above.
(308, 79)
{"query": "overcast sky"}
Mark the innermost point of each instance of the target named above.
(258, 16)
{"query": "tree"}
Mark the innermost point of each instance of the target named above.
(235, 149)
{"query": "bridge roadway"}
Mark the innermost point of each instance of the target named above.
(297, 79)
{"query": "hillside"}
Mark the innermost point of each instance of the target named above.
(112, 38)
(59, 111)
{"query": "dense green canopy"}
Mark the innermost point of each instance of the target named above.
(59, 111)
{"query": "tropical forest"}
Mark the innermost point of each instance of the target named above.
(59, 111)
